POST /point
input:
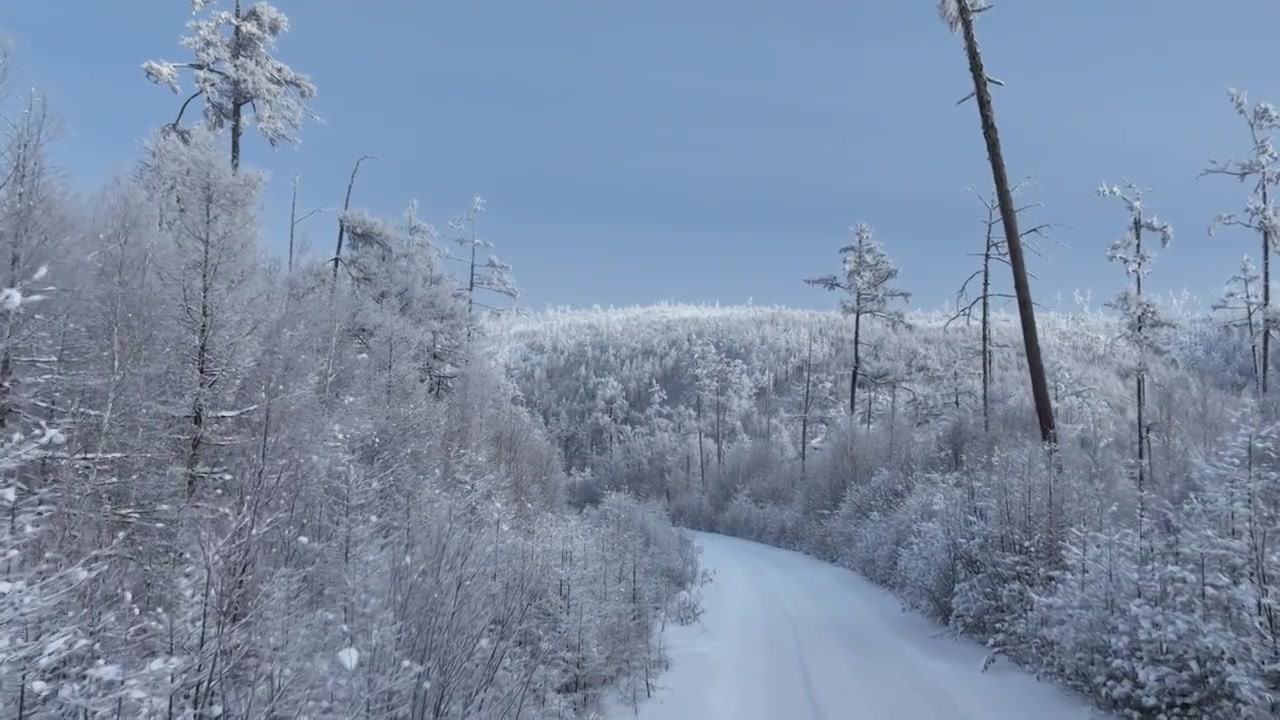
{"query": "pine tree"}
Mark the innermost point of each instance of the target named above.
(868, 283)
(1261, 168)
(237, 75)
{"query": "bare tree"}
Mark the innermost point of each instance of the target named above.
(346, 207)
(295, 220)
(994, 250)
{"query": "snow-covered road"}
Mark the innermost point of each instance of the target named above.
(788, 637)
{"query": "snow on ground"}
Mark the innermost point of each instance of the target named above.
(789, 637)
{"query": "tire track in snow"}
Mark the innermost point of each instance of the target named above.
(797, 644)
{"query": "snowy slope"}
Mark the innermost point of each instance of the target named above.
(789, 637)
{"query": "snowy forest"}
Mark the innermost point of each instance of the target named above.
(360, 481)
(249, 485)
(1123, 544)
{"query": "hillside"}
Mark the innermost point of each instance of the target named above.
(738, 419)
(596, 375)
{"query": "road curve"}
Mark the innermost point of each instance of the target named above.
(788, 637)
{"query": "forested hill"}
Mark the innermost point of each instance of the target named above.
(605, 378)
(738, 419)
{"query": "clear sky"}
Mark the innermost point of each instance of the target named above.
(711, 150)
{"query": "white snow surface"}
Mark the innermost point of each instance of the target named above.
(786, 636)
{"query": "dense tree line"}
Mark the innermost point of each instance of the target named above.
(238, 487)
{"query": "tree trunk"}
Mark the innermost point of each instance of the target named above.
(702, 461)
(1140, 390)
(1266, 295)
(237, 105)
(237, 128)
(719, 428)
(1009, 218)
(293, 221)
(986, 336)
(204, 374)
(804, 419)
(857, 359)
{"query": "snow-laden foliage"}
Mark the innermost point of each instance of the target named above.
(1260, 169)
(232, 491)
(868, 277)
(949, 11)
(236, 74)
(489, 274)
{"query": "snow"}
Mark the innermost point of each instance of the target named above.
(786, 636)
(349, 657)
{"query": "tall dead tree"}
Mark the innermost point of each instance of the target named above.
(959, 16)
(346, 207)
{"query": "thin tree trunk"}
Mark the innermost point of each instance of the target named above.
(702, 461)
(1266, 295)
(237, 128)
(804, 419)
(719, 427)
(346, 205)
(293, 220)
(986, 333)
(1141, 392)
(1009, 218)
(857, 360)
(204, 374)
(237, 105)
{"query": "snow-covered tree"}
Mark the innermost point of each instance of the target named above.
(1243, 300)
(1261, 170)
(236, 74)
(868, 283)
(1143, 322)
(486, 275)
(208, 267)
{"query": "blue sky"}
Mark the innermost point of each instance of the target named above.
(716, 150)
